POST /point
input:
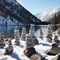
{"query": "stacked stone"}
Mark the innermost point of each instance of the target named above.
(31, 32)
(58, 30)
(2, 44)
(17, 36)
(23, 33)
(56, 40)
(55, 49)
(10, 43)
(31, 41)
(9, 49)
(49, 35)
(32, 29)
(41, 33)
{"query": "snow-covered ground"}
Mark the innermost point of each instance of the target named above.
(18, 51)
(42, 48)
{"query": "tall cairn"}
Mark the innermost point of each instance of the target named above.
(32, 29)
(17, 36)
(41, 33)
(31, 41)
(23, 33)
(2, 44)
(9, 49)
(56, 40)
(9, 40)
(58, 30)
(29, 37)
(49, 34)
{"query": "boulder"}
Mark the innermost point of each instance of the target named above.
(29, 52)
(36, 57)
(54, 51)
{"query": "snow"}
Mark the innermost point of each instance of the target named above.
(48, 14)
(6, 58)
(42, 49)
(18, 51)
(53, 57)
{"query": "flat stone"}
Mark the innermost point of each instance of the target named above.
(29, 52)
(36, 57)
(54, 51)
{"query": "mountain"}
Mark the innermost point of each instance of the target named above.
(13, 14)
(15, 11)
(47, 15)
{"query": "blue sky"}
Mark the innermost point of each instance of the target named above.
(37, 6)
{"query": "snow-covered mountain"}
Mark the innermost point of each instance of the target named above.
(16, 11)
(47, 15)
(14, 14)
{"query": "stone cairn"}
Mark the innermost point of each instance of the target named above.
(23, 33)
(30, 42)
(58, 30)
(10, 43)
(9, 49)
(41, 33)
(17, 36)
(56, 41)
(32, 31)
(2, 44)
(49, 34)
(55, 50)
